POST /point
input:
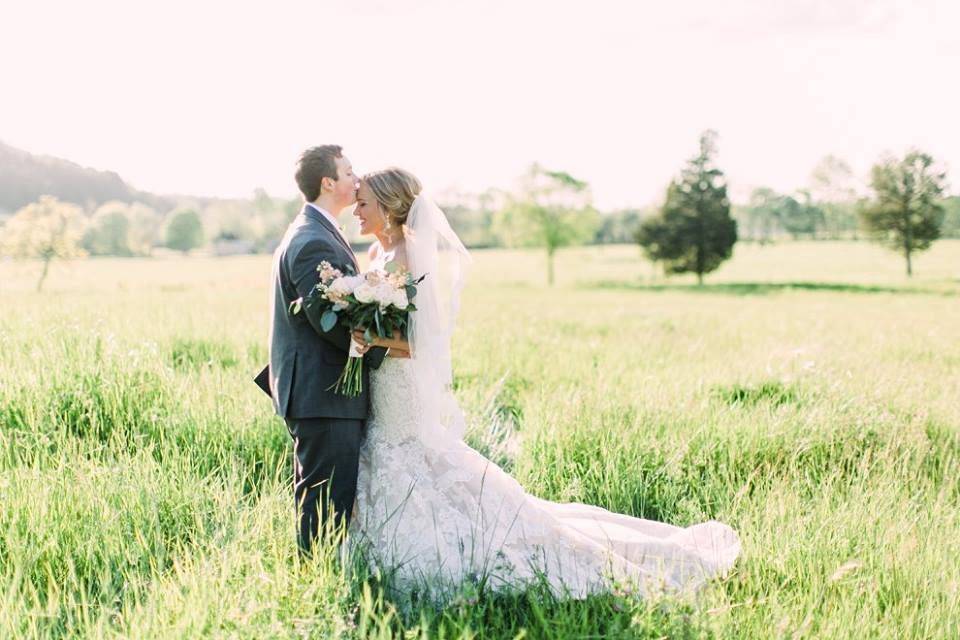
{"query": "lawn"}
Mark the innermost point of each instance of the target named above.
(808, 394)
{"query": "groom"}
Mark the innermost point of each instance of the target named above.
(305, 360)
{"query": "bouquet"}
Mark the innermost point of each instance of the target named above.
(379, 302)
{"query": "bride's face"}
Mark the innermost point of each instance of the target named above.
(369, 212)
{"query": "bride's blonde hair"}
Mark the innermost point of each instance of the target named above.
(395, 189)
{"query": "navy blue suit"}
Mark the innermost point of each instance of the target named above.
(327, 428)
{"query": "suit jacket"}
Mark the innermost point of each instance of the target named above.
(304, 359)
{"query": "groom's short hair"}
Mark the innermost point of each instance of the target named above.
(315, 164)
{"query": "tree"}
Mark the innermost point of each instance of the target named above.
(619, 226)
(762, 213)
(471, 215)
(184, 231)
(767, 210)
(145, 227)
(551, 209)
(233, 220)
(799, 216)
(951, 217)
(45, 230)
(905, 213)
(108, 233)
(832, 190)
(694, 231)
(271, 219)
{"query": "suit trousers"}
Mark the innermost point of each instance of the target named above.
(326, 454)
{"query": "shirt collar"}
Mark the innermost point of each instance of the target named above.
(326, 214)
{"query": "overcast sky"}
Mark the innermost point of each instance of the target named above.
(217, 98)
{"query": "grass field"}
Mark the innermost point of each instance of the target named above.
(808, 394)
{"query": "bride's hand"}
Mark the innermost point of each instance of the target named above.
(362, 345)
(396, 342)
(360, 338)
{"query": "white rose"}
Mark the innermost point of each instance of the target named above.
(355, 281)
(340, 287)
(400, 299)
(383, 294)
(364, 293)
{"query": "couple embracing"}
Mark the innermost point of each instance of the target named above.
(389, 469)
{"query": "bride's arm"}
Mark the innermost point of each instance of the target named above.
(397, 342)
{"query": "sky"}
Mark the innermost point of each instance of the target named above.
(218, 98)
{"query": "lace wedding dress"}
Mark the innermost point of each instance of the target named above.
(432, 512)
(435, 517)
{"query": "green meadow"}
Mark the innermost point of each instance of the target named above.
(808, 394)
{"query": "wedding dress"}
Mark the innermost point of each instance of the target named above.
(432, 512)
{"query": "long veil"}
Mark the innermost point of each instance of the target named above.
(434, 251)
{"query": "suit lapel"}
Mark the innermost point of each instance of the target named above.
(315, 215)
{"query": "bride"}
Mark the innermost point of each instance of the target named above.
(431, 512)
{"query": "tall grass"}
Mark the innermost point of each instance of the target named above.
(145, 485)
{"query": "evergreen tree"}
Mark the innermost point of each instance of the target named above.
(694, 231)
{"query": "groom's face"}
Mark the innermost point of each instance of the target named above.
(344, 188)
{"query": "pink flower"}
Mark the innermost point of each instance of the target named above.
(327, 272)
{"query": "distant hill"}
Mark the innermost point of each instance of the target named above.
(24, 177)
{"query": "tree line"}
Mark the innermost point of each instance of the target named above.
(697, 227)
(693, 231)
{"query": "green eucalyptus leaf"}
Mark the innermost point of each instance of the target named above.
(328, 320)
